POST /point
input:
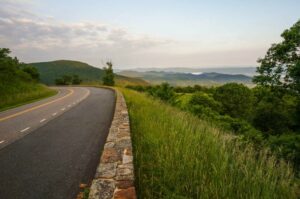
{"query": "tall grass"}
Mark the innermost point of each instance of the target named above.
(176, 155)
(18, 93)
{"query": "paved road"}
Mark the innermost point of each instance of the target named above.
(51, 146)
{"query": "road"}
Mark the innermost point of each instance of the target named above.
(48, 148)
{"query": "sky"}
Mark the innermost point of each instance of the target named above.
(139, 33)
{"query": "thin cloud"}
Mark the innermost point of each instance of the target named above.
(22, 29)
(34, 37)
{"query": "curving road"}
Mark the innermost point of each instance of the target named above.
(49, 147)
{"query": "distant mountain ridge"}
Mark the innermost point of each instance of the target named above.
(49, 71)
(179, 79)
(248, 71)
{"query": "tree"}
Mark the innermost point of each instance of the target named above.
(280, 68)
(236, 99)
(76, 80)
(11, 69)
(204, 99)
(165, 92)
(203, 105)
(32, 71)
(274, 114)
(108, 78)
(64, 80)
(59, 81)
(8, 65)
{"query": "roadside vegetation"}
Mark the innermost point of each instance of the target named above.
(179, 155)
(266, 116)
(256, 116)
(19, 82)
(229, 141)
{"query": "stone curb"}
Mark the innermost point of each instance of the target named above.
(114, 178)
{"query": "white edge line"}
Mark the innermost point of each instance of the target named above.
(2, 141)
(42, 120)
(54, 114)
(63, 109)
(25, 129)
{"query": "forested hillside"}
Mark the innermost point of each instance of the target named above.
(19, 82)
(50, 71)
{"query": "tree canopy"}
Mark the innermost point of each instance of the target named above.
(280, 68)
(108, 78)
(11, 69)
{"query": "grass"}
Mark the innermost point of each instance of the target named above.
(177, 155)
(20, 93)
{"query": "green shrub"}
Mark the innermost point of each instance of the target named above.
(287, 146)
(164, 92)
(204, 99)
(236, 99)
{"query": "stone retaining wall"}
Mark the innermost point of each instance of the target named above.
(114, 177)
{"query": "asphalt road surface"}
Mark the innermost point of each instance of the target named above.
(48, 148)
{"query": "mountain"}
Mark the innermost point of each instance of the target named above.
(248, 71)
(184, 79)
(49, 71)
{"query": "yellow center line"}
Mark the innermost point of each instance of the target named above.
(36, 107)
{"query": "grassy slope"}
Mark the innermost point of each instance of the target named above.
(49, 71)
(18, 93)
(179, 156)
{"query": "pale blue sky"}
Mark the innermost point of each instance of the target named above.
(149, 33)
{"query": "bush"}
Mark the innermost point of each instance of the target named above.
(204, 99)
(287, 146)
(32, 71)
(76, 80)
(275, 111)
(164, 92)
(68, 80)
(236, 99)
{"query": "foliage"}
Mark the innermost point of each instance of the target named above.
(68, 80)
(268, 112)
(177, 155)
(275, 112)
(236, 100)
(287, 146)
(18, 82)
(108, 78)
(191, 89)
(281, 65)
(32, 71)
(76, 80)
(164, 92)
(10, 68)
(204, 99)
